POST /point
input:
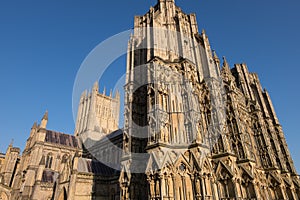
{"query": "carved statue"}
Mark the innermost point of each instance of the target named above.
(199, 132)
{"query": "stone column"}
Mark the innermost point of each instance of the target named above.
(174, 187)
(215, 190)
(162, 186)
(203, 182)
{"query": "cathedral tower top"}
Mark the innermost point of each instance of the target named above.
(159, 1)
(167, 5)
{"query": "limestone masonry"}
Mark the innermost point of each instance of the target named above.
(194, 128)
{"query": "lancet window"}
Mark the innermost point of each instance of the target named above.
(49, 160)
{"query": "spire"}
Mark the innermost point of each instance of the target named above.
(34, 126)
(46, 115)
(44, 120)
(225, 64)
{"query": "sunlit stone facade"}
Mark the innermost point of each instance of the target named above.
(194, 128)
(210, 130)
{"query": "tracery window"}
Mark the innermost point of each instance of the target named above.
(49, 160)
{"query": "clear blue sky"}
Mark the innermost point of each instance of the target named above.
(43, 43)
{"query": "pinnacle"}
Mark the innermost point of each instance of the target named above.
(225, 63)
(46, 115)
(96, 86)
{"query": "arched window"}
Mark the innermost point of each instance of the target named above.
(226, 189)
(49, 161)
(65, 158)
(248, 191)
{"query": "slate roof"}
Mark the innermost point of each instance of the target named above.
(61, 139)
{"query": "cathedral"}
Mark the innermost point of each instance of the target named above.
(195, 128)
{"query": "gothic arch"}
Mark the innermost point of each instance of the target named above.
(49, 160)
(275, 191)
(226, 189)
(225, 183)
(247, 186)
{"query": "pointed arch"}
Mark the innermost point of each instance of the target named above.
(49, 160)
(274, 187)
(247, 186)
(225, 184)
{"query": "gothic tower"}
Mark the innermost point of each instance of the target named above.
(98, 112)
(194, 129)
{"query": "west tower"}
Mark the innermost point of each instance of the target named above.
(195, 128)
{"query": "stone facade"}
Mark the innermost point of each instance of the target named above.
(211, 132)
(193, 129)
